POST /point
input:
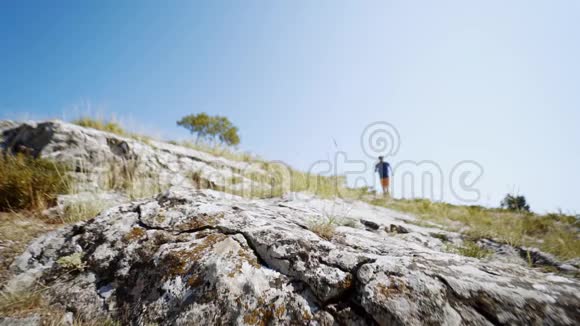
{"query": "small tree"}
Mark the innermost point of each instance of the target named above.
(515, 203)
(211, 128)
(230, 136)
(196, 124)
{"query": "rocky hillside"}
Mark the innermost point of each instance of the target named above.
(97, 156)
(191, 256)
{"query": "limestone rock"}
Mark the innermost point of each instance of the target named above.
(370, 224)
(99, 155)
(34, 320)
(206, 257)
(397, 229)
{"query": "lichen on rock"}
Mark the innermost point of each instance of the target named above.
(251, 262)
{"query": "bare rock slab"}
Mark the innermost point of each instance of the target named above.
(206, 257)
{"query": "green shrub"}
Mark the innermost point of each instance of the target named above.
(29, 183)
(515, 203)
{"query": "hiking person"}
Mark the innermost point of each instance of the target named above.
(383, 169)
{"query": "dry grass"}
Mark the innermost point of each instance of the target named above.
(200, 182)
(16, 231)
(35, 302)
(216, 149)
(20, 304)
(469, 249)
(554, 233)
(101, 124)
(128, 177)
(326, 186)
(109, 126)
(283, 179)
(323, 228)
(82, 210)
(280, 177)
(323, 186)
(30, 183)
(326, 226)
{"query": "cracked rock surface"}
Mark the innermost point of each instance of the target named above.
(195, 257)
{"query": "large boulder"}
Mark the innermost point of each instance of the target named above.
(207, 257)
(99, 156)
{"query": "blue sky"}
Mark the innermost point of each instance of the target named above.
(496, 82)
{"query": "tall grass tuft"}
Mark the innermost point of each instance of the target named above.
(129, 177)
(109, 126)
(21, 303)
(30, 183)
(100, 124)
(82, 210)
(35, 302)
(323, 228)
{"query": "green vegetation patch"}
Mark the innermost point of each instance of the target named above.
(72, 262)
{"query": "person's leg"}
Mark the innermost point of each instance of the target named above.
(385, 186)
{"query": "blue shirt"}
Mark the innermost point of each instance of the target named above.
(383, 169)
